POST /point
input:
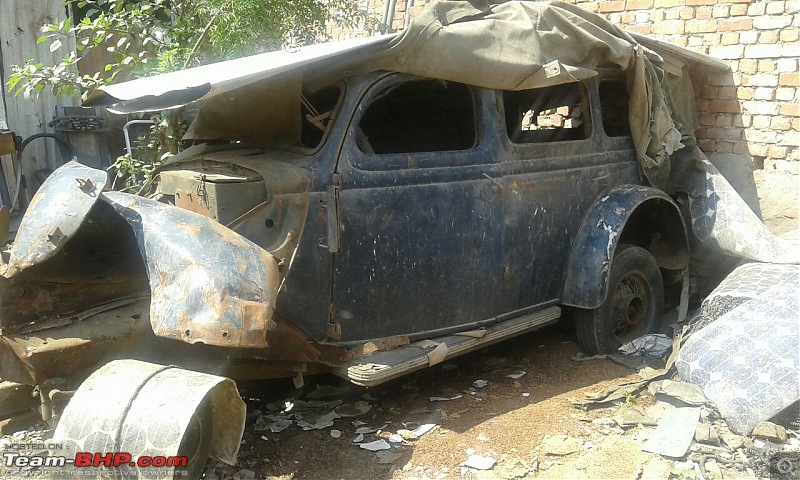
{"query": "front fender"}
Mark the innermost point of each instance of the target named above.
(586, 280)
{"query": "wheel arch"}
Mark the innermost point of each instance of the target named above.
(630, 214)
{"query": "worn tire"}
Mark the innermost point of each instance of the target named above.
(196, 443)
(633, 306)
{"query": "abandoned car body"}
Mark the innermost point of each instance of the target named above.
(343, 205)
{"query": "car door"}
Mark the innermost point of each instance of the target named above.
(420, 212)
(556, 168)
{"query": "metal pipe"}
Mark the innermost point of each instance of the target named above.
(390, 17)
(385, 12)
(128, 135)
(407, 19)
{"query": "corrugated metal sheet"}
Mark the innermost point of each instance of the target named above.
(20, 23)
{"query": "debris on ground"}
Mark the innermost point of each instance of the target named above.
(479, 462)
(480, 383)
(445, 399)
(353, 410)
(376, 445)
(652, 345)
(562, 445)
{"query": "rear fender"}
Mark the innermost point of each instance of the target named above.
(631, 214)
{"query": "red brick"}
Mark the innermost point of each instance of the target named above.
(733, 25)
(703, 13)
(669, 27)
(789, 79)
(643, 29)
(638, 4)
(707, 145)
(701, 26)
(738, 10)
(723, 106)
(615, 6)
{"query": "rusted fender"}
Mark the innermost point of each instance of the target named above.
(56, 212)
(661, 224)
(208, 284)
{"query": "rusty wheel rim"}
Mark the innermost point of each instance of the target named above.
(630, 307)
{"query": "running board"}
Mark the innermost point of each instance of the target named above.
(381, 367)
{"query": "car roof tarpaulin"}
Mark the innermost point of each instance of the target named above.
(526, 44)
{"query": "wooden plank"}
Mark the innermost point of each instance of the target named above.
(20, 26)
(7, 163)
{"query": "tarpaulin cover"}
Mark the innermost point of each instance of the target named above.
(512, 46)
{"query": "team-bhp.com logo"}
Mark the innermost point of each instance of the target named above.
(87, 459)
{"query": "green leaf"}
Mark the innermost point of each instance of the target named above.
(13, 81)
(42, 39)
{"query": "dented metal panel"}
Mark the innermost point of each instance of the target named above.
(55, 214)
(208, 284)
(179, 88)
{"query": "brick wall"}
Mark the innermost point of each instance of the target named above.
(749, 117)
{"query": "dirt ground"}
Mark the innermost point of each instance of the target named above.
(507, 420)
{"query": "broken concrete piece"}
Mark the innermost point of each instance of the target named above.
(445, 399)
(674, 432)
(376, 445)
(562, 445)
(656, 469)
(712, 470)
(315, 421)
(770, 431)
(516, 376)
(610, 394)
(480, 383)
(19, 421)
(359, 438)
(407, 434)
(279, 425)
(336, 433)
(353, 410)
(424, 428)
(706, 433)
(688, 393)
(15, 397)
(732, 440)
(633, 416)
(479, 462)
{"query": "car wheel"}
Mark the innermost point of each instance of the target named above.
(633, 306)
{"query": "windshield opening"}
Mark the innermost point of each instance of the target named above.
(274, 113)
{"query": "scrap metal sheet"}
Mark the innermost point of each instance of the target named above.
(207, 283)
(54, 215)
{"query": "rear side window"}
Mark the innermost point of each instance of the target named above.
(614, 102)
(550, 114)
(419, 116)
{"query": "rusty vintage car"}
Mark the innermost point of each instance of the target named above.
(356, 207)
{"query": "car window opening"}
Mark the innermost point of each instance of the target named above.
(614, 101)
(541, 115)
(419, 116)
